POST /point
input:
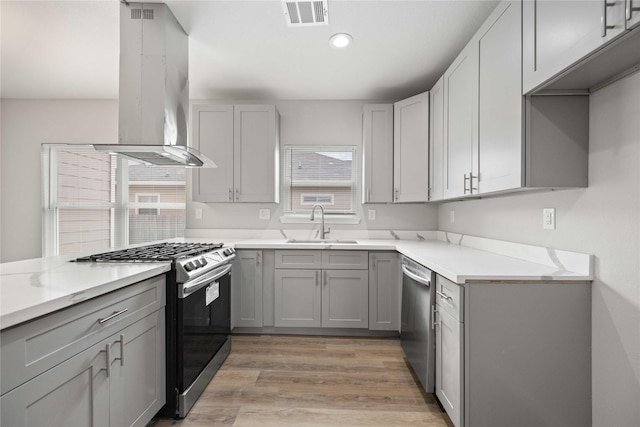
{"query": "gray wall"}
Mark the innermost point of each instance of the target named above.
(313, 123)
(603, 220)
(25, 125)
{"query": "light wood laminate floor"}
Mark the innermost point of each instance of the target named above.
(278, 380)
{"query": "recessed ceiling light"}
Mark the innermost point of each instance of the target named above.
(340, 40)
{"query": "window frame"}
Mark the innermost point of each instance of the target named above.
(120, 207)
(297, 216)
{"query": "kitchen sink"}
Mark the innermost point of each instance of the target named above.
(323, 241)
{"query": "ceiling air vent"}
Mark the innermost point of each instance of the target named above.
(306, 13)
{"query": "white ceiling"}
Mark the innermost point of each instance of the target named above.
(241, 49)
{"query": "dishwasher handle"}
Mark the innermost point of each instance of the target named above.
(414, 275)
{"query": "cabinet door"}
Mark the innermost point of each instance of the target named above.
(384, 291)
(449, 365)
(256, 153)
(461, 123)
(500, 100)
(377, 161)
(213, 136)
(73, 393)
(556, 34)
(138, 371)
(436, 146)
(345, 299)
(246, 289)
(411, 149)
(297, 297)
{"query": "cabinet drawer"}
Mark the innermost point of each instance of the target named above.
(34, 347)
(345, 260)
(299, 259)
(449, 297)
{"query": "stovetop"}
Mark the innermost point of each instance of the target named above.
(160, 252)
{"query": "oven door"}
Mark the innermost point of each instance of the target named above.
(204, 326)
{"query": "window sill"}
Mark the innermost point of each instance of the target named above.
(328, 219)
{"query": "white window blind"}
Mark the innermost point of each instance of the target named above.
(81, 201)
(319, 174)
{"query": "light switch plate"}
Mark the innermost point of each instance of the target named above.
(452, 216)
(371, 214)
(198, 213)
(265, 214)
(549, 218)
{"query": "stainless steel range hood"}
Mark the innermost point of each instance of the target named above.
(154, 89)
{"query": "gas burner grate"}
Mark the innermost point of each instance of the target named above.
(153, 253)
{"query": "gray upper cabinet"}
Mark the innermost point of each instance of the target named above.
(243, 141)
(557, 34)
(377, 154)
(461, 124)
(411, 149)
(500, 102)
(495, 139)
(436, 138)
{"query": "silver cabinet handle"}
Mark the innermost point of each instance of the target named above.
(603, 18)
(444, 296)
(434, 310)
(471, 187)
(629, 9)
(317, 278)
(396, 194)
(230, 195)
(258, 256)
(237, 194)
(115, 314)
(465, 183)
(108, 351)
(121, 349)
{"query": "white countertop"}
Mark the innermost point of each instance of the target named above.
(460, 264)
(33, 288)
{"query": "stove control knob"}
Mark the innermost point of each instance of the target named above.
(197, 263)
(203, 261)
(189, 266)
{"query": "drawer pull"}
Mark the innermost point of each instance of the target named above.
(444, 296)
(115, 314)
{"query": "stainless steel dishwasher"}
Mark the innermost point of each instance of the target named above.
(417, 336)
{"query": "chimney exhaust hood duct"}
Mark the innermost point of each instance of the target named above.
(154, 89)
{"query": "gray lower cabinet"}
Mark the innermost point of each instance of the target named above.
(321, 289)
(514, 352)
(449, 349)
(384, 291)
(297, 298)
(118, 380)
(247, 289)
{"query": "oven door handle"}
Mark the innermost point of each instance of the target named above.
(199, 283)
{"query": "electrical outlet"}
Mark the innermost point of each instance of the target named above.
(265, 214)
(452, 216)
(372, 214)
(549, 218)
(198, 213)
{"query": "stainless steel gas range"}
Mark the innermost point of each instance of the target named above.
(198, 313)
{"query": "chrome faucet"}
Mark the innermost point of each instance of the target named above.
(323, 232)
